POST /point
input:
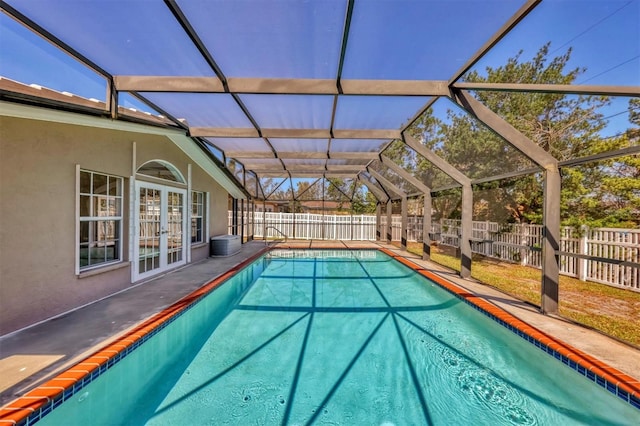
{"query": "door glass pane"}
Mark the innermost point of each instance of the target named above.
(149, 217)
(174, 227)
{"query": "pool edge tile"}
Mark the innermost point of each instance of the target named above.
(81, 374)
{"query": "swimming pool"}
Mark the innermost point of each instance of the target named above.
(340, 337)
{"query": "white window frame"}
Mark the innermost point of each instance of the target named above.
(118, 218)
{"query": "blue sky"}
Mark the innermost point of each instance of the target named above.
(604, 36)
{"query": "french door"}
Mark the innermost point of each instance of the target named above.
(160, 229)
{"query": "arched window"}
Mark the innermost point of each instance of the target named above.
(161, 170)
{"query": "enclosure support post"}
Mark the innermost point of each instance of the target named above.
(322, 217)
(524, 242)
(403, 226)
(426, 242)
(264, 219)
(293, 219)
(389, 207)
(234, 221)
(583, 248)
(253, 219)
(466, 231)
(426, 227)
(242, 221)
(351, 225)
(249, 219)
(551, 241)
(112, 99)
(378, 221)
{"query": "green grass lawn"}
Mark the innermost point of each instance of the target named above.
(611, 310)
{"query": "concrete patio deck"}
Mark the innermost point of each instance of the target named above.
(33, 355)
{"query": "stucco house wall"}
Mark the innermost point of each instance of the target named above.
(38, 212)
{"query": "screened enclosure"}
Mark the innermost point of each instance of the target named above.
(431, 111)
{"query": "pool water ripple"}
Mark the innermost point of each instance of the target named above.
(416, 355)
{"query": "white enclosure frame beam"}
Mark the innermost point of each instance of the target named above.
(281, 86)
(551, 88)
(249, 132)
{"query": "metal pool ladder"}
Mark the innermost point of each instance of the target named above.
(266, 242)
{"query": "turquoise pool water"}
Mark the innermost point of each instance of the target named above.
(338, 337)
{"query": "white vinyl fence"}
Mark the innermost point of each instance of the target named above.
(604, 255)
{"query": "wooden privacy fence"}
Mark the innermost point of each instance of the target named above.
(604, 255)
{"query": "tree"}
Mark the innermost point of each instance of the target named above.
(566, 126)
(364, 202)
(309, 190)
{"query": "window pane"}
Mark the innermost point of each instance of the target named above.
(115, 206)
(85, 205)
(84, 255)
(196, 230)
(114, 186)
(99, 184)
(85, 182)
(96, 255)
(116, 229)
(93, 233)
(161, 170)
(105, 230)
(112, 251)
(111, 230)
(84, 232)
(100, 207)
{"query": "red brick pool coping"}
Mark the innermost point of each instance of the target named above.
(19, 410)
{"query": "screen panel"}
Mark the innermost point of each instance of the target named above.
(290, 111)
(357, 145)
(123, 37)
(419, 40)
(299, 145)
(601, 38)
(202, 109)
(241, 144)
(281, 39)
(376, 112)
(27, 58)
